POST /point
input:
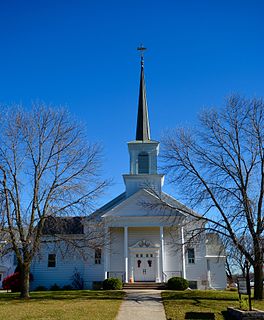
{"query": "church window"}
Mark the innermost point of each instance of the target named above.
(191, 256)
(143, 163)
(139, 263)
(52, 260)
(150, 263)
(97, 256)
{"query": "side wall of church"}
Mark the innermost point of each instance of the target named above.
(69, 262)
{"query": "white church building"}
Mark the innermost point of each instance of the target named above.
(143, 241)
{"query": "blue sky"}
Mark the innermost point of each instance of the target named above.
(82, 54)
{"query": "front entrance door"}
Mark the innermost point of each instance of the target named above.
(144, 267)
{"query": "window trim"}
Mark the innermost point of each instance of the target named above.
(52, 260)
(97, 256)
(143, 159)
(191, 257)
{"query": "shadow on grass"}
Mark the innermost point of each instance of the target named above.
(200, 315)
(64, 295)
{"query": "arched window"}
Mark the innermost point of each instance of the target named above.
(143, 163)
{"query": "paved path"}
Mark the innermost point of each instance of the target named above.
(142, 305)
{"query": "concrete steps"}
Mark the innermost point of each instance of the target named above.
(144, 286)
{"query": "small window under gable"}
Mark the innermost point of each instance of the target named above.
(191, 255)
(97, 256)
(52, 260)
(143, 162)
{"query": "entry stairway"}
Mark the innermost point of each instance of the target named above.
(144, 286)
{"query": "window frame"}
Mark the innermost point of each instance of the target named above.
(97, 256)
(191, 255)
(143, 163)
(52, 260)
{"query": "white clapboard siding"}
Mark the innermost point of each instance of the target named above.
(217, 271)
(172, 252)
(61, 274)
(93, 272)
(136, 234)
(117, 250)
(197, 271)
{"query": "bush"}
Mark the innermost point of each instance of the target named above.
(112, 284)
(40, 288)
(55, 287)
(178, 283)
(13, 282)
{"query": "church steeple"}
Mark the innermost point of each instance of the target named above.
(143, 151)
(143, 130)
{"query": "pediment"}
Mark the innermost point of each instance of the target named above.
(141, 204)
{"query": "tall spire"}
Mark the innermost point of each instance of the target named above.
(143, 130)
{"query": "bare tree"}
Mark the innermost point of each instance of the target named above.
(47, 169)
(219, 169)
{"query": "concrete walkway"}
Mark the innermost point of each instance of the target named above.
(142, 305)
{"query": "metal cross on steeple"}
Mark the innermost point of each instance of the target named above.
(142, 49)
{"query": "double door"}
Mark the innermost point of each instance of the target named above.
(144, 267)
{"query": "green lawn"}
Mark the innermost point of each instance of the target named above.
(62, 305)
(198, 304)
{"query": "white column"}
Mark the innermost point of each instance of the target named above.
(106, 251)
(161, 254)
(126, 252)
(183, 254)
(158, 278)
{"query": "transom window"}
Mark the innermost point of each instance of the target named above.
(143, 163)
(191, 255)
(52, 260)
(97, 256)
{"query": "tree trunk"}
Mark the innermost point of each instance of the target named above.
(25, 274)
(258, 280)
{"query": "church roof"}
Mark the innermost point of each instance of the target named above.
(143, 129)
(63, 225)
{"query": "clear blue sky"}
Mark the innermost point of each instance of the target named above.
(82, 54)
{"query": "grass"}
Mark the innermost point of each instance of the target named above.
(61, 305)
(199, 304)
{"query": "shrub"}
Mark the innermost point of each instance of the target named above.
(112, 284)
(55, 287)
(13, 282)
(178, 283)
(40, 288)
